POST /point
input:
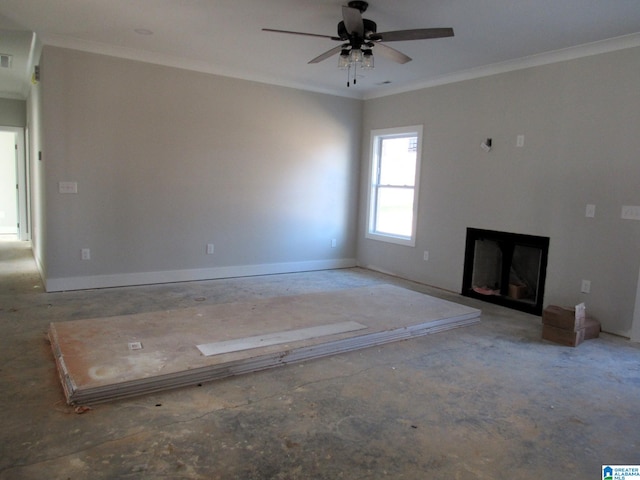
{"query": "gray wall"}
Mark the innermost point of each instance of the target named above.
(580, 119)
(167, 161)
(37, 181)
(13, 113)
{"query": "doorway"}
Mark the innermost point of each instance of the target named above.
(13, 185)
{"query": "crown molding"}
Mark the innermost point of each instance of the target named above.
(73, 43)
(570, 53)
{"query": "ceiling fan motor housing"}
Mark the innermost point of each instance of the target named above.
(369, 27)
(358, 5)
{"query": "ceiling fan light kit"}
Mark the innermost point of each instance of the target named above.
(367, 59)
(359, 36)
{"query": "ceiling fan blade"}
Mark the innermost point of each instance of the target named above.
(300, 33)
(327, 54)
(353, 20)
(417, 34)
(391, 53)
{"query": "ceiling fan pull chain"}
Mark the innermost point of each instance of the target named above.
(348, 74)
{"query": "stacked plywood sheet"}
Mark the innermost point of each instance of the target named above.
(109, 358)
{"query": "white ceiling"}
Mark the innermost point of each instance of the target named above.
(225, 37)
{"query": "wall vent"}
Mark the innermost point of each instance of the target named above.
(5, 60)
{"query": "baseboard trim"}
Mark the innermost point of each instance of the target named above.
(172, 276)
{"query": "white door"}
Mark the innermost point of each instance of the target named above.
(8, 185)
(13, 191)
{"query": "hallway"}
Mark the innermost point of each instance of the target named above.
(488, 401)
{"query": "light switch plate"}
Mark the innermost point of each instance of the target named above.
(590, 211)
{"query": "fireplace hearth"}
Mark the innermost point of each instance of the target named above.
(505, 268)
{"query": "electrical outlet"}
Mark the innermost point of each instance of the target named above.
(520, 141)
(425, 256)
(210, 248)
(85, 254)
(586, 286)
(630, 212)
(334, 243)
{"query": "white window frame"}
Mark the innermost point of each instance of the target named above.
(376, 137)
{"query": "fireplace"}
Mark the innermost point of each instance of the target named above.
(508, 269)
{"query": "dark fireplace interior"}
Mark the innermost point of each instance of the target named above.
(506, 268)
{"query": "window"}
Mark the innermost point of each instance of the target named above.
(393, 196)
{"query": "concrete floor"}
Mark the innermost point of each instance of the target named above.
(482, 402)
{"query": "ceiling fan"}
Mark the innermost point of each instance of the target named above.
(359, 36)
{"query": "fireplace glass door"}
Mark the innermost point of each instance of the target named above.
(506, 268)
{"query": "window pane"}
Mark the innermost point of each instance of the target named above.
(394, 213)
(395, 169)
(398, 161)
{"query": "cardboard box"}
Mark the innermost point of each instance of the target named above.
(591, 328)
(563, 336)
(517, 291)
(563, 318)
(568, 326)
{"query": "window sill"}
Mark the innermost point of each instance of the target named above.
(409, 242)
